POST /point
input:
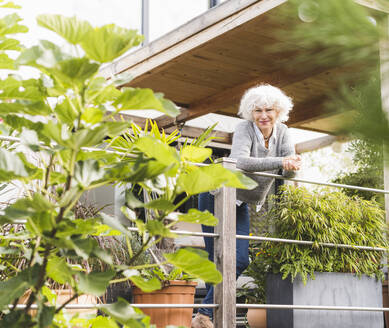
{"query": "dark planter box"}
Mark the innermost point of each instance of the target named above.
(114, 291)
(331, 289)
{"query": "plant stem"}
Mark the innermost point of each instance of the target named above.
(156, 241)
(47, 174)
(41, 280)
(119, 280)
(131, 253)
(66, 303)
(36, 246)
(138, 253)
(12, 266)
(145, 266)
(97, 185)
(73, 203)
(42, 273)
(181, 202)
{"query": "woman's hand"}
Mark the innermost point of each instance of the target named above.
(291, 163)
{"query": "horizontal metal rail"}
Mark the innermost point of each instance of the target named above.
(259, 238)
(9, 138)
(238, 305)
(328, 184)
(311, 307)
(142, 306)
(178, 232)
(185, 306)
(186, 233)
(15, 139)
(310, 243)
(264, 174)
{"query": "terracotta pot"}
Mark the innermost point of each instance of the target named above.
(62, 296)
(177, 292)
(256, 318)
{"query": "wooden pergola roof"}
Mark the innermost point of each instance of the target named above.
(205, 65)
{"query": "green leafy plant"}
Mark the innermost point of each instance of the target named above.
(346, 35)
(164, 278)
(64, 119)
(327, 217)
(368, 159)
(254, 291)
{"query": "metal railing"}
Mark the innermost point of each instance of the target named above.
(225, 317)
(225, 253)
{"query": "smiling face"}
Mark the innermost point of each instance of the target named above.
(265, 118)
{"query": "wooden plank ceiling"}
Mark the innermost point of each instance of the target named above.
(207, 64)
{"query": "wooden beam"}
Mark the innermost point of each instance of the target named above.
(317, 143)
(304, 112)
(203, 23)
(194, 132)
(196, 25)
(308, 111)
(194, 39)
(127, 117)
(225, 138)
(185, 131)
(165, 121)
(280, 78)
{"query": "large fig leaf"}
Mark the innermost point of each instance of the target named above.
(195, 264)
(71, 29)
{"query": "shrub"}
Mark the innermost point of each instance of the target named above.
(323, 217)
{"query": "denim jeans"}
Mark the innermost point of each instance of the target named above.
(206, 202)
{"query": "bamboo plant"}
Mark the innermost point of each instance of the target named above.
(323, 216)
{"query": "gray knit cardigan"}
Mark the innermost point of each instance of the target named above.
(252, 156)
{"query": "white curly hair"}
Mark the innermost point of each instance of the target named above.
(265, 96)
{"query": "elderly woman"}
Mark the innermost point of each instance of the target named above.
(260, 143)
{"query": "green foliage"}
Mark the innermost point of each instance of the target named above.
(75, 108)
(327, 217)
(94, 283)
(125, 314)
(9, 25)
(255, 291)
(117, 40)
(196, 216)
(370, 123)
(147, 285)
(201, 179)
(195, 263)
(335, 32)
(164, 278)
(345, 36)
(368, 158)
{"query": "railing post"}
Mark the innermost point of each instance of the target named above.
(225, 254)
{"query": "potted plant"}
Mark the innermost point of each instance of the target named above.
(319, 275)
(64, 122)
(254, 290)
(177, 288)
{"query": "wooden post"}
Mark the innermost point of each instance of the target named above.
(225, 254)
